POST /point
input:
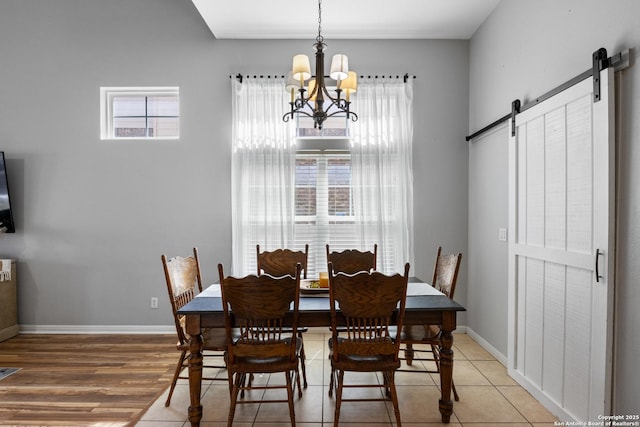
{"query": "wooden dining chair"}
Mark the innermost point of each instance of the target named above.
(257, 307)
(183, 279)
(445, 276)
(352, 261)
(281, 262)
(367, 302)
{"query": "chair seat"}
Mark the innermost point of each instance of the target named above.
(213, 339)
(339, 329)
(420, 334)
(363, 361)
(298, 329)
(263, 365)
(359, 363)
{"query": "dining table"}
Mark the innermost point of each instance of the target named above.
(425, 305)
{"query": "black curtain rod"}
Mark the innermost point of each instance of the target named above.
(600, 62)
(255, 76)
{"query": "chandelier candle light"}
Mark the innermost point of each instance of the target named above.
(313, 104)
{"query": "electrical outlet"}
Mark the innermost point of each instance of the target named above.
(502, 234)
(154, 302)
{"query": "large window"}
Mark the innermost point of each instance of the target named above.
(140, 113)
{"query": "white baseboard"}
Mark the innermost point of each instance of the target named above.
(485, 344)
(97, 329)
(545, 400)
(132, 329)
(548, 403)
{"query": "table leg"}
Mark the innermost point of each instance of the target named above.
(446, 367)
(195, 370)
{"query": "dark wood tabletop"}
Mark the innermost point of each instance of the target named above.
(314, 310)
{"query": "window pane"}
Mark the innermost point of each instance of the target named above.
(340, 201)
(306, 171)
(305, 201)
(128, 106)
(339, 176)
(162, 105)
(164, 126)
(339, 171)
(306, 174)
(129, 127)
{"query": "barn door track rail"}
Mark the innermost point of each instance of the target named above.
(599, 61)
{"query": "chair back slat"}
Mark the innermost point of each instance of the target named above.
(352, 261)
(182, 299)
(445, 272)
(281, 262)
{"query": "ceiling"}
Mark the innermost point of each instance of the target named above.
(345, 19)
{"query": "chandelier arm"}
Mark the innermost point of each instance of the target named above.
(342, 103)
(289, 115)
(339, 103)
(300, 103)
(340, 106)
(349, 114)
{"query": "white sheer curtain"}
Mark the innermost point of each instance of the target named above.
(382, 173)
(262, 169)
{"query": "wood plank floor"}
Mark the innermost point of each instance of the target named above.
(83, 380)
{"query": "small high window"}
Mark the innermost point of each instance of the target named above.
(139, 113)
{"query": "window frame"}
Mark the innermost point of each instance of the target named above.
(107, 95)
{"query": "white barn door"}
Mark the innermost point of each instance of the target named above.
(561, 250)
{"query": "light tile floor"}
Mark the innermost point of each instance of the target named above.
(488, 397)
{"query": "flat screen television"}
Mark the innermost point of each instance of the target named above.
(6, 217)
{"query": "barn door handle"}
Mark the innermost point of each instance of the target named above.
(598, 276)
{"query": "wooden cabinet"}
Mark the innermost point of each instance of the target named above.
(9, 306)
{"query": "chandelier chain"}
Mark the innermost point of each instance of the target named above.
(320, 39)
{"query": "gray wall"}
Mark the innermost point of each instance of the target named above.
(94, 216)
(523, 50)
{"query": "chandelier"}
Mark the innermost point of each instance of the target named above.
(316, 100)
